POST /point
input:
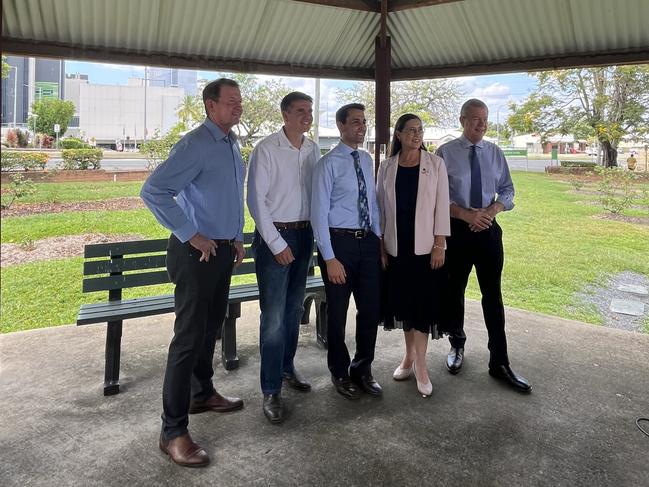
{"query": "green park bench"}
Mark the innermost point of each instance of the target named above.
(116, 266)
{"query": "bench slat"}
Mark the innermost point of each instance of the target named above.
(125, 248)
(125, 281)
(124, 265)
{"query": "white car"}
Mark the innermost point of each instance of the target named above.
(592, 151)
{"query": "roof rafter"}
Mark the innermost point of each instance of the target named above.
(375, 5)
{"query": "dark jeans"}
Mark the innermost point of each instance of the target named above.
(361, 259)
(201, 299)
(484, 250)
(281, 299)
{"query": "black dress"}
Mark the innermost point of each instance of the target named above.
(413, 289)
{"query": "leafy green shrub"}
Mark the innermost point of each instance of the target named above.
(73, 143)
(18, 188)
(156, 149)
(81, 158)
(616, 191)
(23, 139)
(29, 161)
(578, 164)
(246, 150)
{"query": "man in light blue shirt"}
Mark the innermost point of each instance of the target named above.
(346, 226)
(480, 187)
(197, 193)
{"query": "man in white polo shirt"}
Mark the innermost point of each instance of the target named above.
(279, 188)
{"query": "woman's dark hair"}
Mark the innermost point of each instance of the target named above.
(395, 146)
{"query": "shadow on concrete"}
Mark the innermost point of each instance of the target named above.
(576, 428)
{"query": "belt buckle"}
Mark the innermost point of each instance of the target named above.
(359, 234)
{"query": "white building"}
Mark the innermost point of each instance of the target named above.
(109, 113)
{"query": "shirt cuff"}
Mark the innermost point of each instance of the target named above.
(277, 245)
(327, 252)
(187, 231)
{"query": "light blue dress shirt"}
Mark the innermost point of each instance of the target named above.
(199, 188)
(496, 181)
(334, 198)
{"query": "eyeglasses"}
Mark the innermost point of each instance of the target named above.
(413, 130)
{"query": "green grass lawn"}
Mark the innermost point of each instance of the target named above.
(70, 192)
(554, 246)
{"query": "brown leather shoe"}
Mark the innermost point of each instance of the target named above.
(217, 403)
(183, 451)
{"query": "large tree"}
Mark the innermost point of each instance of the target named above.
(436, 101)
(605, 103)
(49, 112)
(261, 101)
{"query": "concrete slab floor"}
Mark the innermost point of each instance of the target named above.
(576, 428)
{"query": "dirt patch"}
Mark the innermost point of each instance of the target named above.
(638, 220)
(54, 248)
(600, 296)
(128, 203)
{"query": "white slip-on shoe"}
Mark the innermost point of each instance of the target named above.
(401, 374)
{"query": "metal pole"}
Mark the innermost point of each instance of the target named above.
(145, 83)
(15, 91)
(316, 113)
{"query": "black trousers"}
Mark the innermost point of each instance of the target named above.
(362, 262)
(201, 299)
(484, 250)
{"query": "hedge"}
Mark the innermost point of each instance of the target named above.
(81, 158)
(589, 164)
(29, 161)
(73, 143)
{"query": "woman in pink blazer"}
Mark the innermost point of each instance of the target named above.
(412, 191)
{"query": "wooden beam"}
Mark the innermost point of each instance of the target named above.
(398, 5)
(382, 61)
(362, 5)
(575, 60)
(211, 63)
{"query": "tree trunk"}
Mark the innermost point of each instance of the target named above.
(609, 154)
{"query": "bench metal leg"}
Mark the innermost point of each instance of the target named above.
(308, 300)
(229, 356)
(113, 350)
(321, 320)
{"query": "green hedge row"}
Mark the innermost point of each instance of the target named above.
(578, 164)
(81, 158)
(73, 143)
(29, 161)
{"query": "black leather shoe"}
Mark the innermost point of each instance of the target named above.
(368, 384)
(296, 381)
(506, 374)
(455, 359)
(273, 408)
(346, 387)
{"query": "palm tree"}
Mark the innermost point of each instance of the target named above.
(190, 110)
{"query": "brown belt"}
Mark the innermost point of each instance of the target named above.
(292, 225)
(356, 233)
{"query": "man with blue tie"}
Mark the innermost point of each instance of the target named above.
(480, 187)
(197, 193)
(345, 221)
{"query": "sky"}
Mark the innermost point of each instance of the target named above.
(495, 90)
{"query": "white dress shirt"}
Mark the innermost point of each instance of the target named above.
(279, 185)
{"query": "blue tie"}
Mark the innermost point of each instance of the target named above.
(363, 206)
(476, 179)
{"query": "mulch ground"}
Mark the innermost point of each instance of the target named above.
(129, 203)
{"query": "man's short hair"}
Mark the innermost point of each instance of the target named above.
(473, 102)
(212, 90)
(343, 112)
(293, 96)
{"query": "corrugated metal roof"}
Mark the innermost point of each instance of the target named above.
(293, 37)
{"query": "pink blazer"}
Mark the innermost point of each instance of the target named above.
(432, 215)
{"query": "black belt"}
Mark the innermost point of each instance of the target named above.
(223, 241)
(292, 225)
(356, 233)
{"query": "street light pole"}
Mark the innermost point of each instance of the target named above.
(15, 91)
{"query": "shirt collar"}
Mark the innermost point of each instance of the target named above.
(284, 142)
(467, 143)
(216, 131)
(342, 147)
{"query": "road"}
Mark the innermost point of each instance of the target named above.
(111, 164)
